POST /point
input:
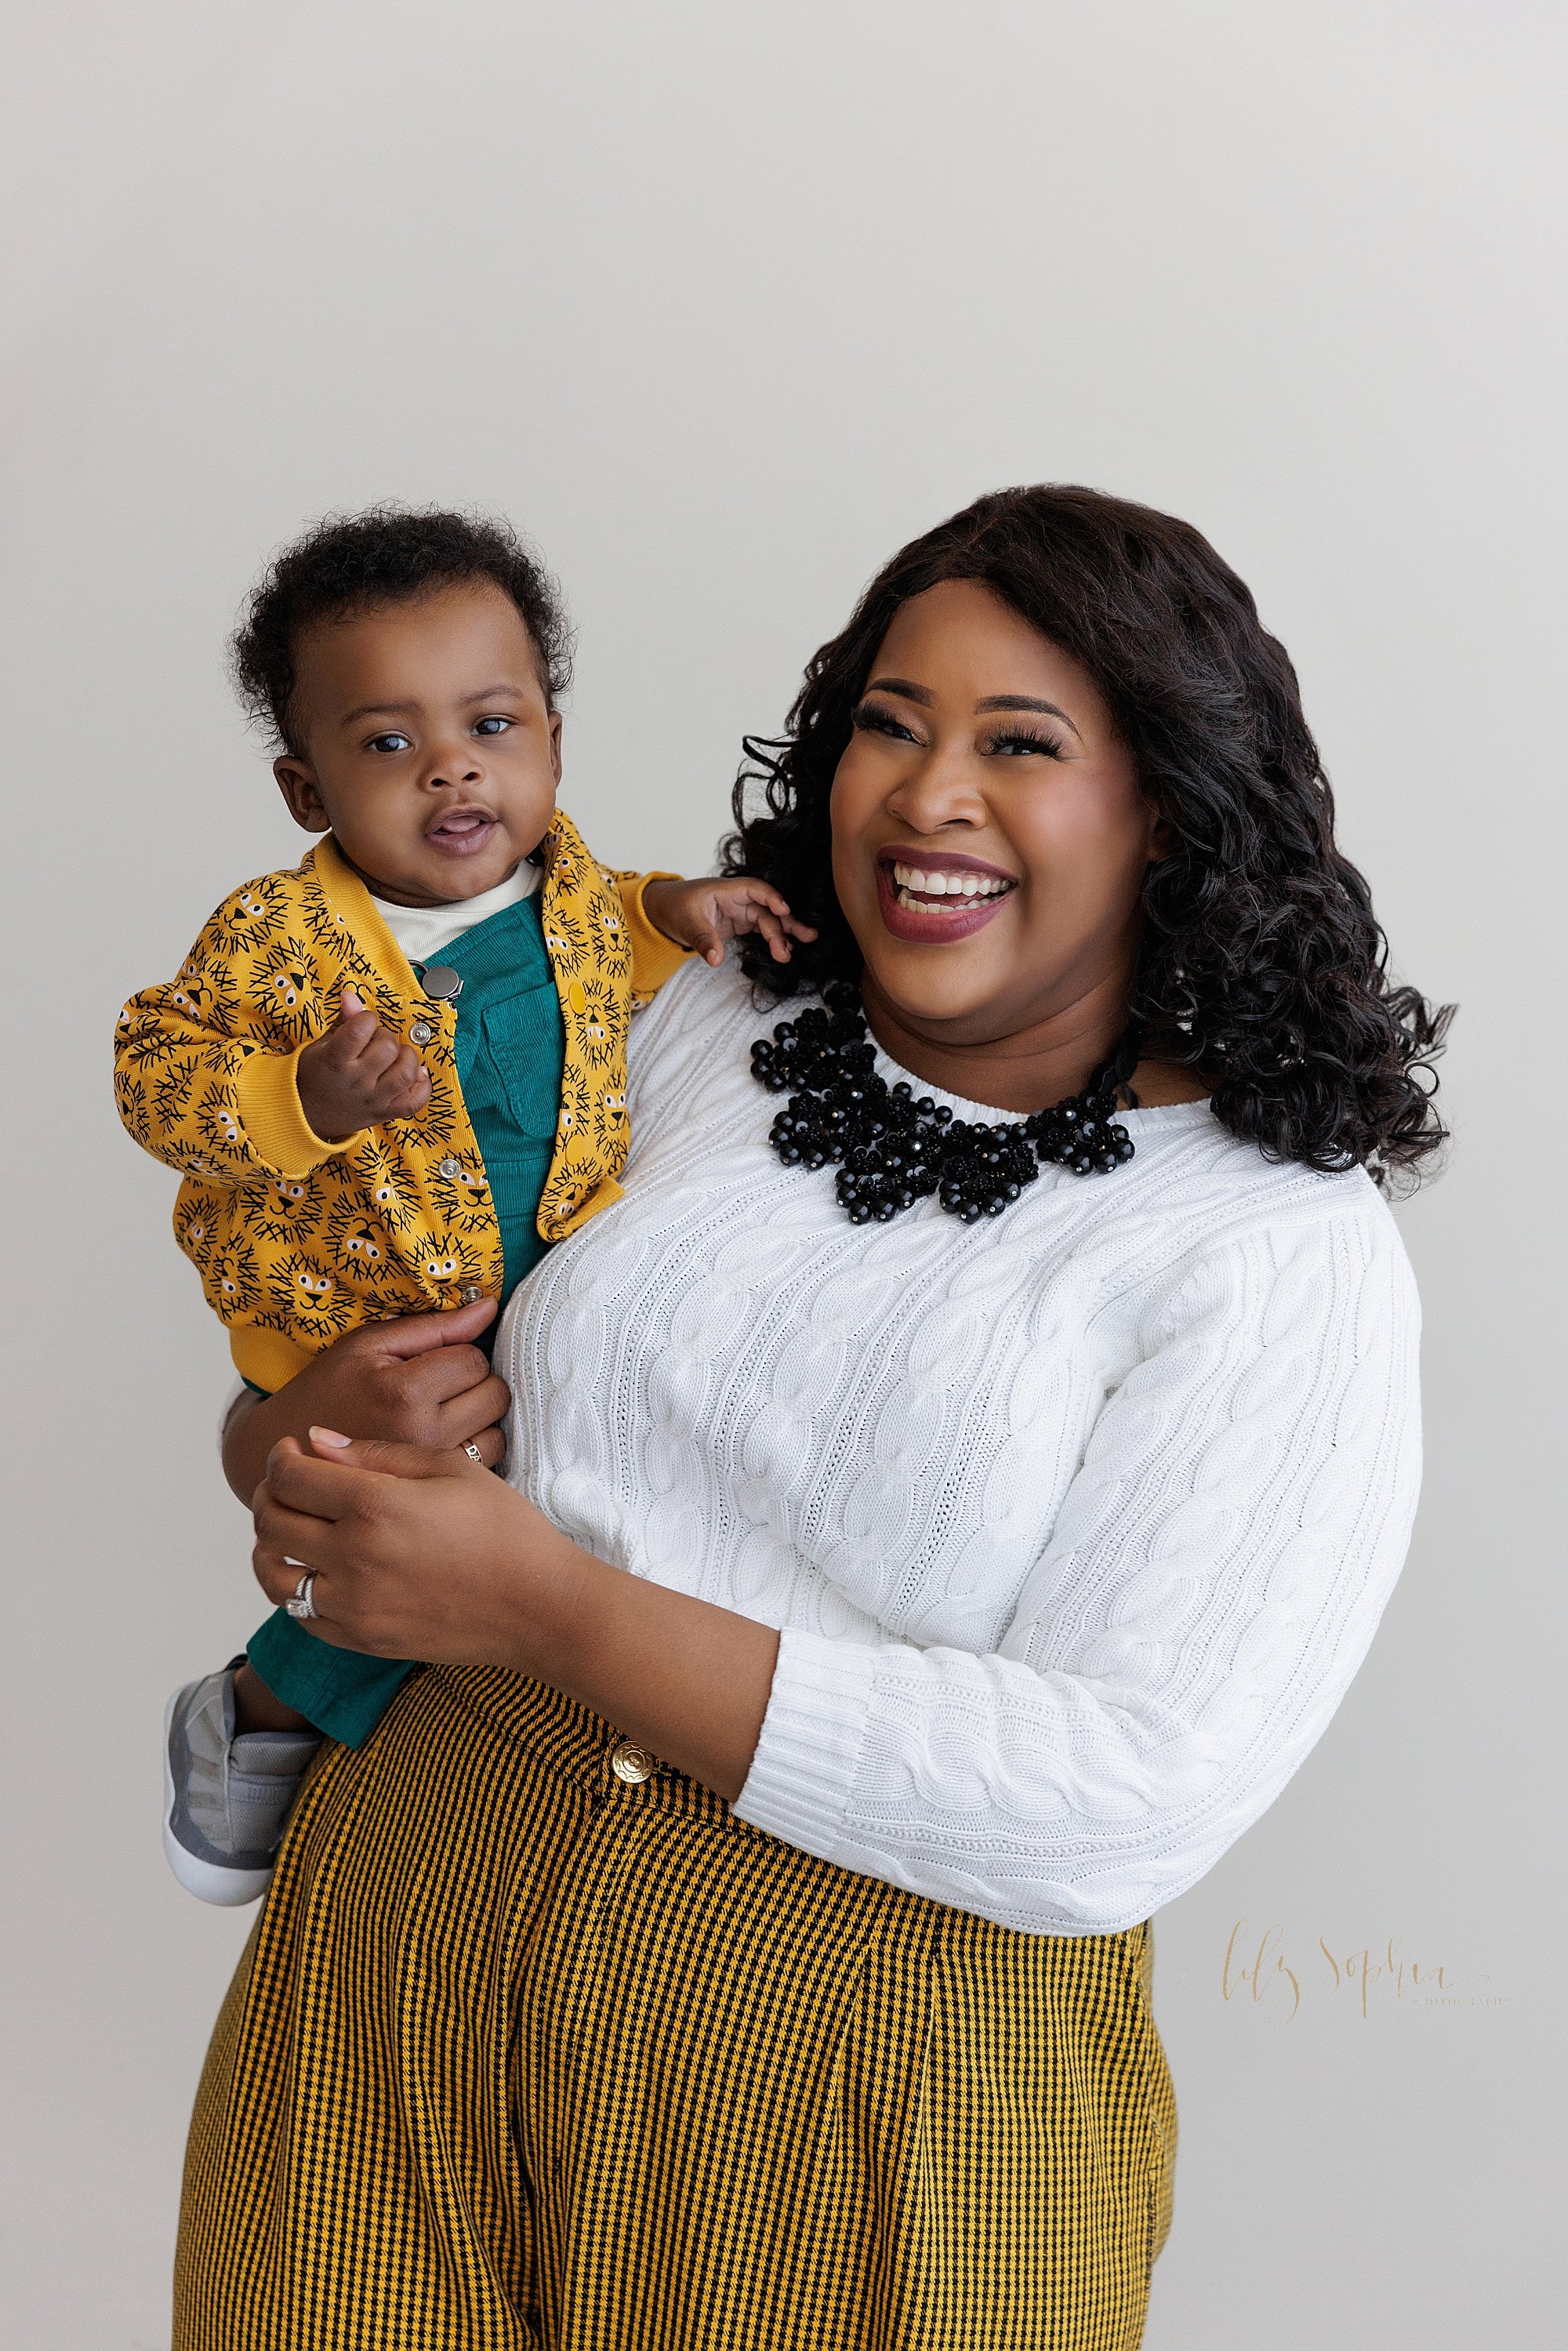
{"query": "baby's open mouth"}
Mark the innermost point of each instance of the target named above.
(460, 832)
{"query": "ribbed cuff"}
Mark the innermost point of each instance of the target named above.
(655, 959)
(270, 1111)
(803, 1770)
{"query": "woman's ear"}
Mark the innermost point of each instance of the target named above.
(1162, 841)
(296, 782)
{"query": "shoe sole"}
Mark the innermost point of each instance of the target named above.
(224, 1889)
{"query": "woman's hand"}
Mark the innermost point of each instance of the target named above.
(417, 1552)
(422, 1554)
(417, 1380)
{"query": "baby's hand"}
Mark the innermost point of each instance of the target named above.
(703, 914)
(358, 1075)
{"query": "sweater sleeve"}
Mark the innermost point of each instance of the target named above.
(1210, 1586)
(206, 1077)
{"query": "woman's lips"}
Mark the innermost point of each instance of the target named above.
(928, 917)
(462, 832)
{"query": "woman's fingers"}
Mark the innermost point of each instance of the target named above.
(374, 1456)
(476, 1409)
(279, 1576)
(489, 1444)
(288, 1543)
(418, 1335)
(321, 1485)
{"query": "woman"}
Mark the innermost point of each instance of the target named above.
(908, 1579)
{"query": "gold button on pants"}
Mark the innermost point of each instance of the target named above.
(630, 1762)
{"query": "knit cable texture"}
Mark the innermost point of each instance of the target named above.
(1076, 1523)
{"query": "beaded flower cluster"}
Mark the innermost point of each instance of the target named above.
(895, 1147)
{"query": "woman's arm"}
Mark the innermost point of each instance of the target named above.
(1210, 1586)
(421, 1554)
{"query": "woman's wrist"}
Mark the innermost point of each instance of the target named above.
(686, 1678)
(250, 1432)
(554, 1631)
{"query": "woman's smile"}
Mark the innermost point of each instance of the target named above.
(935, 894)
(985, 804)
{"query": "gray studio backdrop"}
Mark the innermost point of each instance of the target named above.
(722, 303)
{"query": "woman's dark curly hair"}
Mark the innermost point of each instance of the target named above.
(388, 555)
(1262, 965)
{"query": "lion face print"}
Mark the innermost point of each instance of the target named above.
(305, 1289)
(232, 1279)
(360, 1246)
(283, 985)
(217, 1123)
(285, 1209)
(445, 1260)
(460, 1193)
(253, 916)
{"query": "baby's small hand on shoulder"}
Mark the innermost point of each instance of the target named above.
(704, 914)
(359, 1074)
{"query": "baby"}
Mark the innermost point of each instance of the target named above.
(392, 1077)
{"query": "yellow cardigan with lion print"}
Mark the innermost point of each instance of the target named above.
(299, 1241)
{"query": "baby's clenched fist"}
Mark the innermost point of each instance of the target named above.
(359, 1074)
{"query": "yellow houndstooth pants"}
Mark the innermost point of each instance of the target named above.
(523, 2053)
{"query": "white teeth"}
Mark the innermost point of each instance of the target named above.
(948, 885)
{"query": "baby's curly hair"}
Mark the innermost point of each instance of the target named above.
(387, 554)
(1262, 964)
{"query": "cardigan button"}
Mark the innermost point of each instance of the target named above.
(422, 1033)
(471, 1295)
(451, 1169)
(630, 1762)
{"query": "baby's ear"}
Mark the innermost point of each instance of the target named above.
(296, 782)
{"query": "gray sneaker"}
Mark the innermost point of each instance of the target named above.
(225, 1799)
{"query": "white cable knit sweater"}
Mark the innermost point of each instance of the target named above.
(1076, 1523)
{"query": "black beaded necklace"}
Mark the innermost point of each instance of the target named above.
(896, 1147)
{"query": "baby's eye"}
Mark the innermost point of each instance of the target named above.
(494, 725)
(387, 745)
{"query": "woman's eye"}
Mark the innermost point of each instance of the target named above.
(1023, 740)
(493, 726)
(388, 744)
(871, 718)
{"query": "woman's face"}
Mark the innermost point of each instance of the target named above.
(989, 836)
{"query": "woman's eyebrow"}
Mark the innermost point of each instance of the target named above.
(1023, 702)
(911, 693)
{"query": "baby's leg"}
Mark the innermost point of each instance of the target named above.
(255, 1708)
(226, 1788)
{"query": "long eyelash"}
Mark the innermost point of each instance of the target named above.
(872, 714)
(1051, 744)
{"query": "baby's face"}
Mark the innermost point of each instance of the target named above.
(430, 748)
